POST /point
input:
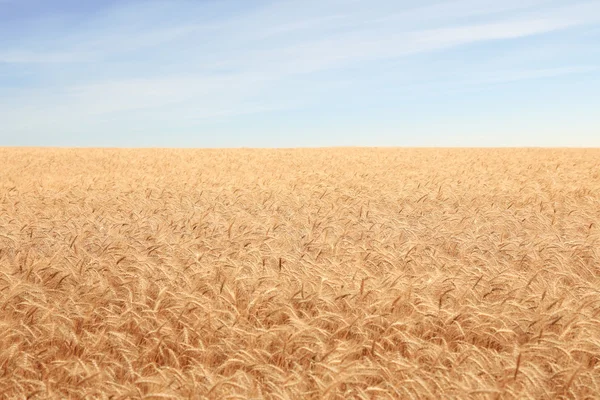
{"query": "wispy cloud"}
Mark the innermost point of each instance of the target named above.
(339, 33)
(165, 56)
(34, 57)
(505, 76)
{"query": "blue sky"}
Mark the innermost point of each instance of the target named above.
(220, 73)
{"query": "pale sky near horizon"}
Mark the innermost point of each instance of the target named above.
(221, 73)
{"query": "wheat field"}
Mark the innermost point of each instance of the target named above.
(299, 274)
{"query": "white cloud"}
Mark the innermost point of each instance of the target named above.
(505, 76)
(363, 46)
(31, 57)
(128, 28)
(253, 53)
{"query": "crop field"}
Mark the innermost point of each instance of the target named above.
(299, 274)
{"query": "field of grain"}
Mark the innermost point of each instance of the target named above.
(299, 274)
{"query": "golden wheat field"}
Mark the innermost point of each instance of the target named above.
(299, 274)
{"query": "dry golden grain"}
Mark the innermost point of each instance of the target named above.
(287, 274)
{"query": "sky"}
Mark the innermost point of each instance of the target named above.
(300, 73)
